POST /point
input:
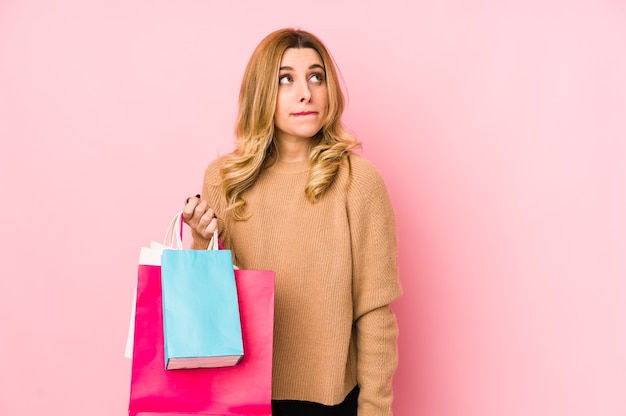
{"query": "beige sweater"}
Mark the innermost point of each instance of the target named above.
(336, 274)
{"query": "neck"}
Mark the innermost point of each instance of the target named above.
(292, 151)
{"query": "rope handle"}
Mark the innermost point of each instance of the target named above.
(174, 235)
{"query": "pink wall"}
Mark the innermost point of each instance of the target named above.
(499, 128)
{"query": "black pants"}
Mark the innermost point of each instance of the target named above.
(299, 408)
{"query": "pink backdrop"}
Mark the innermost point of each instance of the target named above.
(499, 127)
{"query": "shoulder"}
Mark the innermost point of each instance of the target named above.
(366, 190)
(359, 163)
(212, 175)
(363, 174)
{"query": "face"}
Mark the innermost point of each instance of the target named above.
(302, 95)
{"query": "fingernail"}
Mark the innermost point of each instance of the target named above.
(197, 196)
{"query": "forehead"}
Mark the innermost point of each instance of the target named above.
(300, 57)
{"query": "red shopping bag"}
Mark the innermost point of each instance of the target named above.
(244, 389)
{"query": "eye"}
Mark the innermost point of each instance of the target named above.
(285, 79)
(317, 77)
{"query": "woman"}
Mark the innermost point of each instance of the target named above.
(294, 198)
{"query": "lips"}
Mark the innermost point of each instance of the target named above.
(304, 113)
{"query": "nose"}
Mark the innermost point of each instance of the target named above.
(304, 93)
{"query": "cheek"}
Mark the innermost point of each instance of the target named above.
(322, 96)
(281, 114)
(281, 104)
(278, 110)
(323, 102)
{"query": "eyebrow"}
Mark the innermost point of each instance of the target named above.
(288, 68)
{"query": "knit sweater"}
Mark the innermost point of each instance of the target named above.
(336, 274)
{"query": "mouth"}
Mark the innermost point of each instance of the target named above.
(304, 113)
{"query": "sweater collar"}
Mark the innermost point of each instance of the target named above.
(290, 167)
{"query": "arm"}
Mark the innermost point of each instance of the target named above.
(377, 360)
(375, 286)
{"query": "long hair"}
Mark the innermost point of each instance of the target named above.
(254, 132)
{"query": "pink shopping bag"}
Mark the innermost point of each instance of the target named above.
(244, 389)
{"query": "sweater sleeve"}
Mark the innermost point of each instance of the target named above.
(375, 286)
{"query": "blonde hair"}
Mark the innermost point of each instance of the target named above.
(254, 131)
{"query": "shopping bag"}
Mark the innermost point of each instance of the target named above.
(148, 256)
(202, 326)
(244, 389)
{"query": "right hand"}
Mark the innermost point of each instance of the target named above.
(200, 217)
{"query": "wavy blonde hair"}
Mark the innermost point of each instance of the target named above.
(254, 132)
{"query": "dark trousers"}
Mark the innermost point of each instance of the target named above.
(299, 408)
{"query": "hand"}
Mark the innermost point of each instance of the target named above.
(200, 217)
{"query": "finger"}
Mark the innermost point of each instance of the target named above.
(207, 232)
(207, 223)
(197, 196)
(189, 209)
(205, 214)
(199, 210)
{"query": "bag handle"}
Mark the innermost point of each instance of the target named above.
(174, 235)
